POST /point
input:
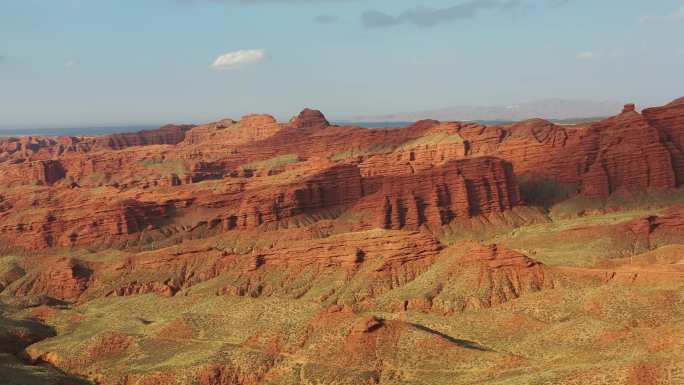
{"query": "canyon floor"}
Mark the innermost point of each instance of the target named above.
(256, 252)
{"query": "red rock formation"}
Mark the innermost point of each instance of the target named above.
(631, 157)
(43, 148)
(252, 128)
(49, 171)
(669, 120)
(255, 205)
(506, 274)
(343, 218)
(309, 118)
(667, 228)
(62, 278)
(440, 143)
(350, 250)
(404, 256)
(81, 222)
(541, 149)
(628, 152)
(37, 148)
(45, 172)
(169, 134)
(481, 277)
(425, 174)
(459, 189)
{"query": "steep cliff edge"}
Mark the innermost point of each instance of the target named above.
(669, 120)
(631, 157)
(459, 189)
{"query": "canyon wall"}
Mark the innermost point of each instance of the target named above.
(241, 175)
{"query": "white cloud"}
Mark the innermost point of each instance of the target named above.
(675, 16)
(587, 55)
(70, 64)
(238, 59)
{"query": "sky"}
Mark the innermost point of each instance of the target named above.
(126, 62)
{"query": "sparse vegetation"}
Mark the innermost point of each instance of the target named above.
(372, 150)
(376, 149)
(619, 201)
(432, 139)
(272, 163)
(165, 166)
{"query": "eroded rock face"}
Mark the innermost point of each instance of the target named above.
(263, 173)
(438, 144)
(669, 120)
(504, 275)
(169, 134)
(482, 276)
(44, 172)
(309, 118)
(58, 278)
(588, 154)
(540, 149)
(628, 152)
(109, 198)
(350, 250)
(631, 157)
(78, 221)
(250, 205)
(396, 258)
(459, 189)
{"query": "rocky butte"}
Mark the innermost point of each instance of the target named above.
(253, 252)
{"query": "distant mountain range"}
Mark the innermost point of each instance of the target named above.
(552, 109)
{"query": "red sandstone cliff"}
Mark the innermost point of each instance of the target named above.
(459, 189)
(257, 172)
(631, 156)
(169, 134)
(669, 120)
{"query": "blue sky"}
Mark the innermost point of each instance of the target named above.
(106, 62)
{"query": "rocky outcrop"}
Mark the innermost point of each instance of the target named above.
(669, 120)
(667, 228)
(27, 148)
(628, 152)
(257, 204)
(459, 189)
(474, 276)
(353, 249)
(439, 144)
(43, 172)
(539, 149)
(251, 128)
(58, 278)
(45, 148)
(505, 274)
(631, 157)
(309, 118)
(169, 134)
(396, 258)
(258, 173)
(77, 223)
